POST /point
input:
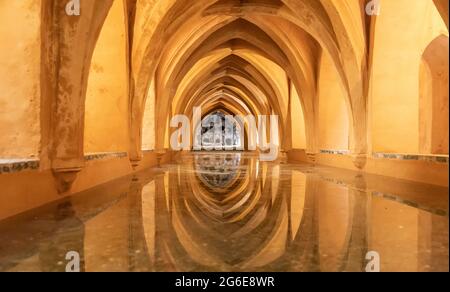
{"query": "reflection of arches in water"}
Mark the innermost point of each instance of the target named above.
(217, 171)
(267, 225)
(208, 232)
(218, 133)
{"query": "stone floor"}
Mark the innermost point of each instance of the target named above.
(232, 212)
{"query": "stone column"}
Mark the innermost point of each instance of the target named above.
(68, 43)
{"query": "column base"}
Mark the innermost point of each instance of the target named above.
(311, 157)
(135, 163)
(359, 160)
(65, 178)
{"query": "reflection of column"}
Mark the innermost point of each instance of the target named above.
(138, 255)
(355, 261)
(68, 236)
(297, 201)
(306, 244)
(357, 247)
(162, 226)
(424, 234)
(148, 220)
(439, 240)
(289, 188)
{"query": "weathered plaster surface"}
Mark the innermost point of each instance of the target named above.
(19, 78)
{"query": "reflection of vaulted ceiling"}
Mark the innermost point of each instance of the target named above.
(256, 224)
(249, 204)
(218, 174)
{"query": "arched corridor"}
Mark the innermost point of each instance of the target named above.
(224, 135)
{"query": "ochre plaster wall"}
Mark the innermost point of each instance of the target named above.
(333, 114)
(19, 78)
(107, 118)
(402, 33)
(433, 101)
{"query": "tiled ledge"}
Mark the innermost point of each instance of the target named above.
(335, 152)
(104, 155)
(18, 165)
(397, 156)
(410, 157)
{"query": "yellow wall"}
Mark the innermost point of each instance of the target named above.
(333, 113)
(148, 130)
(107, 128)
(298, 121)
(433, 100)
(402, 33)
(426, 108)
(19, 78)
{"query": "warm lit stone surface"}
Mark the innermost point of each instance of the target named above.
(89, 102)
(231, 212)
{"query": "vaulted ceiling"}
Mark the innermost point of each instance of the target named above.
(240, 55)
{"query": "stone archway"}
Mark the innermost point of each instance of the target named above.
(67, 46)
(433, 115)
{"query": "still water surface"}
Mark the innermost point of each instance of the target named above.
(231, 212)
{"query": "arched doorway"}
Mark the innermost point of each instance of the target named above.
(219, 132)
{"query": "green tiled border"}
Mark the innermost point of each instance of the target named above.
(18, 165)
(413, 157)
(398, 156)
(105, 155)
(335, 152)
